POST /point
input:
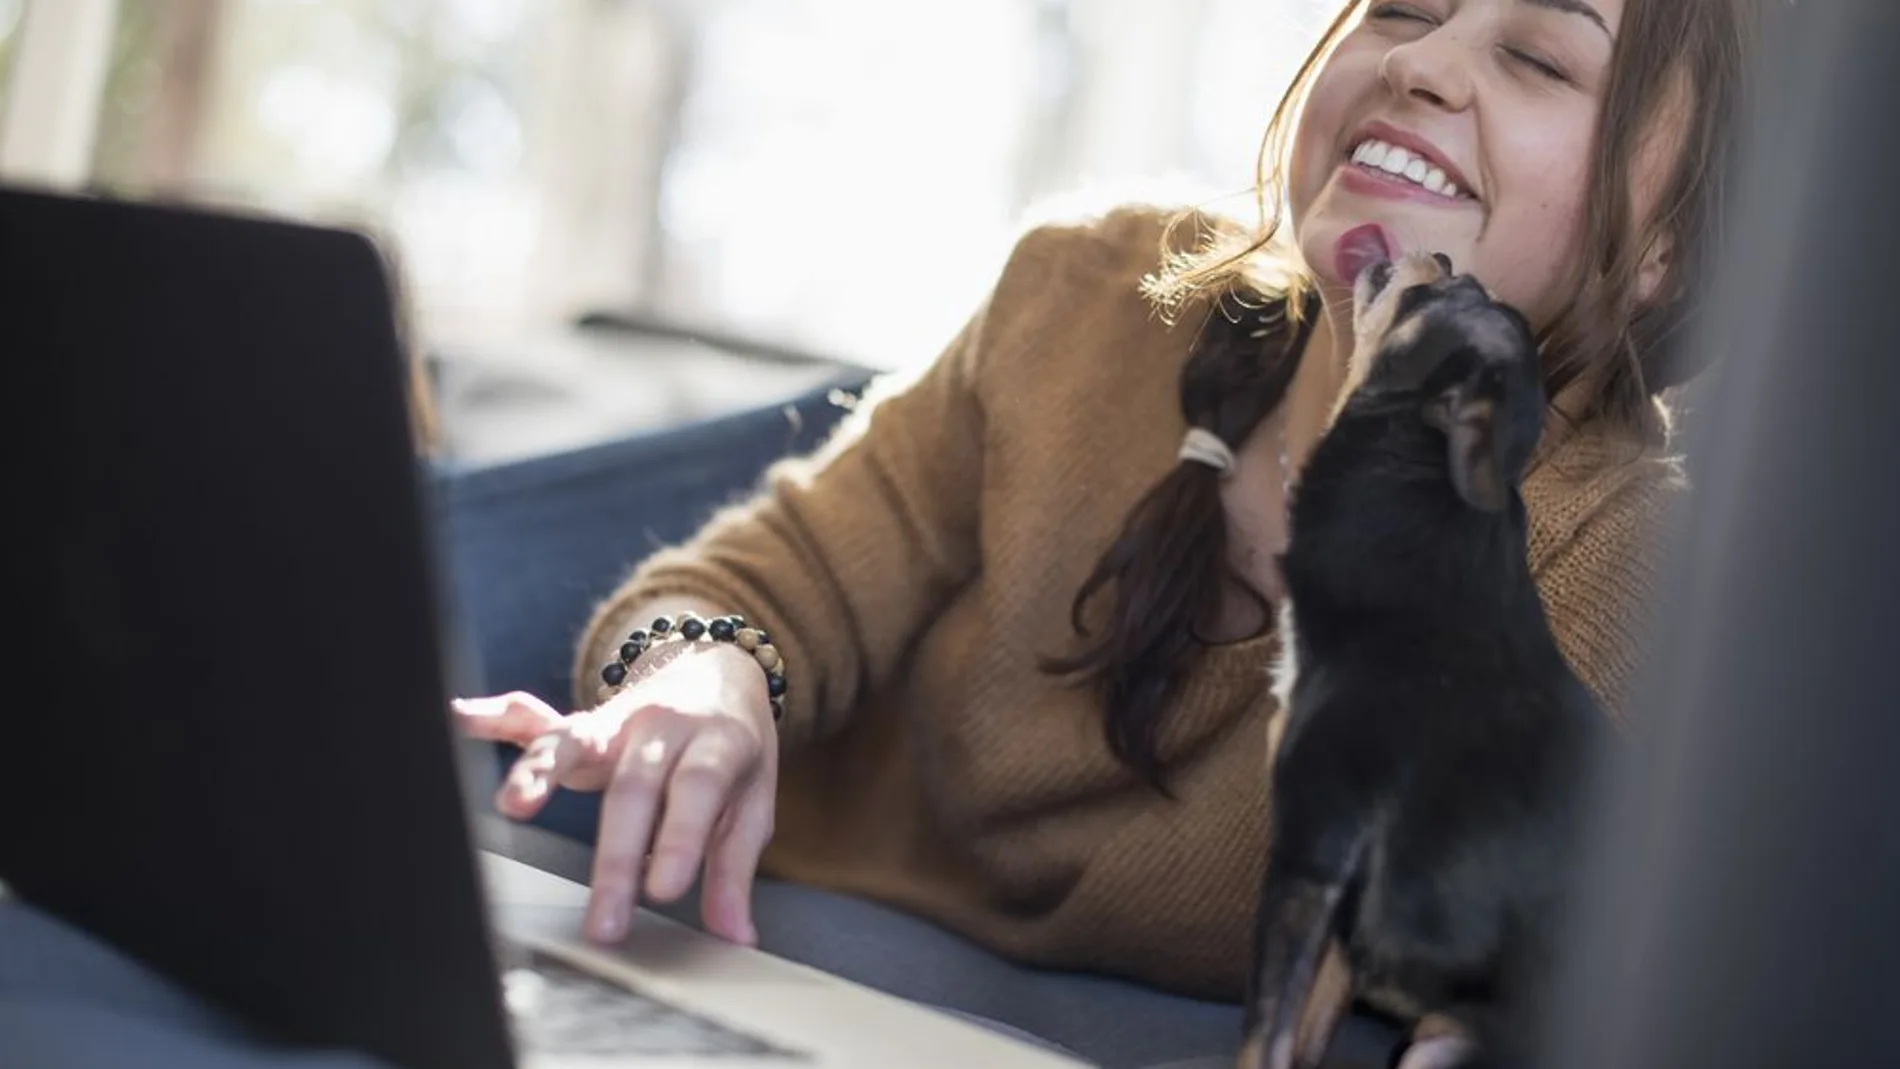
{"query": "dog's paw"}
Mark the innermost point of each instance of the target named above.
(1440, 1052)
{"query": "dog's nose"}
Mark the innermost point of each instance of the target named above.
(1379, 275)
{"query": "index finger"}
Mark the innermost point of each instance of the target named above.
(517, 717)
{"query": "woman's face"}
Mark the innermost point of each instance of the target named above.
(1487, 109)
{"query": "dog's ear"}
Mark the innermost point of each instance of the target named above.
(1467, 413)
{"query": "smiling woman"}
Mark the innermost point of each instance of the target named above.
(1505, 98)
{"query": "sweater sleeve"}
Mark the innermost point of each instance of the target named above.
(842, 554)
(1601, 586)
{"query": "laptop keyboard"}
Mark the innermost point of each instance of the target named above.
(558, 1009)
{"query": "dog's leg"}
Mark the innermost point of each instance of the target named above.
(1294, 930)
(1332, 994)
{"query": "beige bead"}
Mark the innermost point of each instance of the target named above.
(748, 639)
(768, 657)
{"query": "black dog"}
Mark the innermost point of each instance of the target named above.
(1433, 746)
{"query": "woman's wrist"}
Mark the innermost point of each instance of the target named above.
(739, 679)
(606, 639)
(729, 638)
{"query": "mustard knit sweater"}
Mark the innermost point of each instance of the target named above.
(914, 568)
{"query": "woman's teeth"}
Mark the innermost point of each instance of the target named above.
(1378, 156)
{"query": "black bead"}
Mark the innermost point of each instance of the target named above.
(775, 685)
(692, 629)
(722, 630)
(663, 625)
(614, 674)
(641, 639)
(764, 639)
(631, 651)
(778, 710)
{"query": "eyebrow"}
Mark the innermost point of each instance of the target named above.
(1575, 7)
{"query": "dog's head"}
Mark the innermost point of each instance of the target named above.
(1430, 341)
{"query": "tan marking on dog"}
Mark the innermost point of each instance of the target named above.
(1372, 316)
(1325, 1007)
(1285, 670)
(1253, 1052)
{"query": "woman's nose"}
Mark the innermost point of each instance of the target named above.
(1434, 69)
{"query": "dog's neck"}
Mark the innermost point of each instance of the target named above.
(1378, 527)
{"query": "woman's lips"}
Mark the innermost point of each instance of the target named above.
(1369, 183)
(1358, 249)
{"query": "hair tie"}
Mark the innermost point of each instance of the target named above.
(1205, 447)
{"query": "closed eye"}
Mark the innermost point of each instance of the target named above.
(1542, 67)
(1400, 12)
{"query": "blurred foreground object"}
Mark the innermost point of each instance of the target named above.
(1749, 919)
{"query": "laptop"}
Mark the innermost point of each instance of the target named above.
(228, 719)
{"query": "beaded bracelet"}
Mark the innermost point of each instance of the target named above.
(692, 628)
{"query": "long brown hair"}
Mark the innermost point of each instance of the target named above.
(1166, 571)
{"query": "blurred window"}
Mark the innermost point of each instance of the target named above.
(838, 175)
(11, 12)
(408, 116)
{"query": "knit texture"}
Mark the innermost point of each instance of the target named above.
(914, 568)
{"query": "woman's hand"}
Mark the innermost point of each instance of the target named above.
(688, 756)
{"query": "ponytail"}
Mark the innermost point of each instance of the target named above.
(1166, 571)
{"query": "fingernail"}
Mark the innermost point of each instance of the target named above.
(610, 919)
(515, 791)
(514, 805)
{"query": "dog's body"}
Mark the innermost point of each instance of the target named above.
(1431, 767)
